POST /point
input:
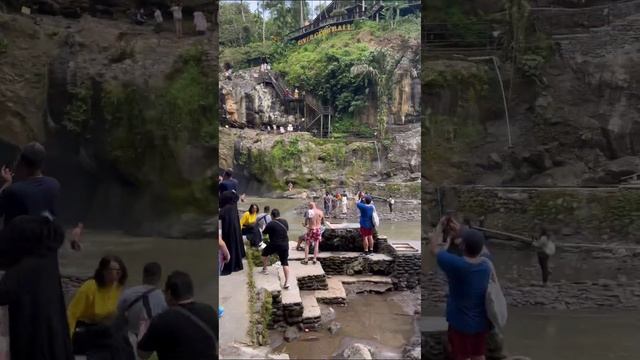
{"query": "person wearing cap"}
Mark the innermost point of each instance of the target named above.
(468, 278)
(29, 192)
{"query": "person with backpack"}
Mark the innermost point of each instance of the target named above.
(468, 277)
(139, 304)
(367, 211)
(277, 231)
(264, 218)
(187, 330)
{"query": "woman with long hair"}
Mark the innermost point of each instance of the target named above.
(32, 290)
(94, 307)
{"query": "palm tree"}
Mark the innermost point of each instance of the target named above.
(377, 74)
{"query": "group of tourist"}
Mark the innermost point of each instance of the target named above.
(199, 19)
(103, 320)
(275, 129)
(462, 255)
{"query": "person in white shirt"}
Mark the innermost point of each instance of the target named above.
(176, 10)
(290, 128)
(159, 20)
(200, 22)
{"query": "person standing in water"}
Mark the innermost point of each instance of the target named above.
(545, 249)
(176, 10)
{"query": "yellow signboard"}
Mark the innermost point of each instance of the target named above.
(324, 32)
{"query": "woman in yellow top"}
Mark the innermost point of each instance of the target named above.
(248, 225)
(94, 307)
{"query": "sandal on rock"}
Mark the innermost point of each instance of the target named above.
(285, 286)
(314, 261)
(304, 262)
(264, 272)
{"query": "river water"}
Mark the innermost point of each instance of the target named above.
(397, 231)
(196, 257)
(565, 334)
(378, 320)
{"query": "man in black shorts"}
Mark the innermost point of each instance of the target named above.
(277, 230)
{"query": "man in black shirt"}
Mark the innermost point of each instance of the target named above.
(277, 230)
(32, 193)
(186, 331)
(228, 183)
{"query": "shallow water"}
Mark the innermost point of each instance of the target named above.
(372, 319)
(401, 230)
(195, 257)
(565, 334)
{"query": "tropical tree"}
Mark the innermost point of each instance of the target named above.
(377, 75)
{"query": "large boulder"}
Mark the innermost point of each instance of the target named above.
(357, 351)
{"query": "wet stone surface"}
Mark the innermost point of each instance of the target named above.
(561, 295)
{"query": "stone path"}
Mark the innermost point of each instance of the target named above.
(234, 298)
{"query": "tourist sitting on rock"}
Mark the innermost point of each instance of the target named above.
(366, 224)
(313, 223)
(282, 131)
(290, 128)
(277, 230)
(290, 186)
(32, 290)
(94, 307)
(545, 249)
(468, 279)
(139, 304)
(250, 227)
(187, 330)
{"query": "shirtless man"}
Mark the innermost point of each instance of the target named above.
(313, 222)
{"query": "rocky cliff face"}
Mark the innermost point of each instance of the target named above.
(93, 91)
(267, 162)
(581, 128)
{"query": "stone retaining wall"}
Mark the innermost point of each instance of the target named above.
(590, 215)
(559, 20)
(292, 313)
(277, 311)
(406, 271)
(313, 282)
(347, 240)
(338, 265)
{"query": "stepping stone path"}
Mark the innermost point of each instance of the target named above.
(308, 287)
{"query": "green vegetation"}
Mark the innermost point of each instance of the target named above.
(258, 320)
(143, 131)
(4, 46)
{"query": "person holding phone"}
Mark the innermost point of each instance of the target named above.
(27, 191)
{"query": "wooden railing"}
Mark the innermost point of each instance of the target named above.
(348, 18)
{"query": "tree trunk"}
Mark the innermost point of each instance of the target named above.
(264, 19)
(242, 12)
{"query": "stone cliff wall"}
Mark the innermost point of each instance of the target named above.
(588, 215)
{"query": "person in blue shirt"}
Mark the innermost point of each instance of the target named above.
(366, 224)
(468, 278)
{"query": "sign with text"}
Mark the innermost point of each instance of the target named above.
(324, 32)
